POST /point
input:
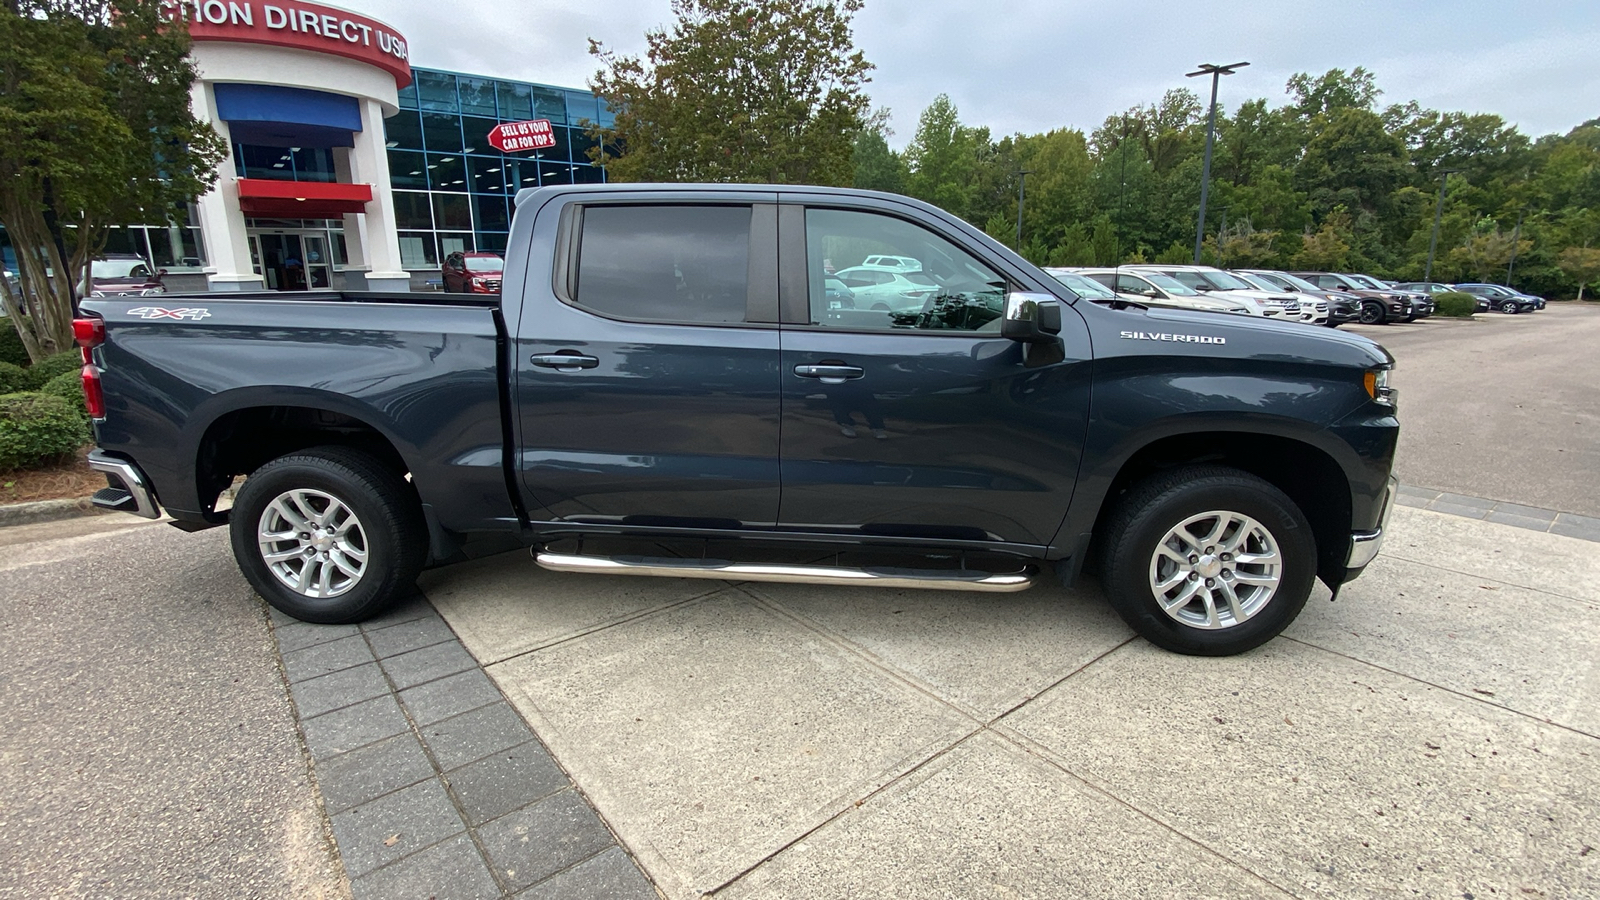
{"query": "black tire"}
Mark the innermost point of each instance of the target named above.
(1373, 313)
(391, 531)
(1149, 511)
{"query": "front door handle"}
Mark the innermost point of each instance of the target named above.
(563, 361)
(830, 374)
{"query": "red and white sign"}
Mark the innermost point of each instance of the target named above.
(509, 137)
(303, 26)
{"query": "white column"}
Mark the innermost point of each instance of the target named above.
(380, 239)
(221, 222)
(355, 230)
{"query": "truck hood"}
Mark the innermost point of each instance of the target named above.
(1247, 336)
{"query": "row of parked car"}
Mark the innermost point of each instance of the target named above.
(1315, 298)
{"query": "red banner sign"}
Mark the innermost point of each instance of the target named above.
(509, 137)
(304, 26)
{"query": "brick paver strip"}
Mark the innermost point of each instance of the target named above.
(1533, 518)
(434, 784)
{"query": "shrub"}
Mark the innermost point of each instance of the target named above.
(69, 387)
(11, 349)
(37, 428)
(1455, 304)
(51, 366)
(14, 378)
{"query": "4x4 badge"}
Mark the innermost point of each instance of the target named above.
(155, 312)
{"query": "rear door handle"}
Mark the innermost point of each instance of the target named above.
(563, 361)
(831, 374)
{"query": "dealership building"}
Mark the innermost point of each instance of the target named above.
(347, 167)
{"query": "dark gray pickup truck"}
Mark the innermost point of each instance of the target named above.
(711, 381)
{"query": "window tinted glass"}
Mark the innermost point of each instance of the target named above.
(952, 292)
(669, 263)
(1189, 279)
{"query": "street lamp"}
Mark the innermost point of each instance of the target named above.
(1438, 211)
(1216, 72)
(1022, 179)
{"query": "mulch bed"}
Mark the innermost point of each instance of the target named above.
(67, 480)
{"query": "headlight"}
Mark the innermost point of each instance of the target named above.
(1377, 384)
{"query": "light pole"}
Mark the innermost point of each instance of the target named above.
(1216, 72)
(1438, 210)
(1516, 237)
(1022, 180)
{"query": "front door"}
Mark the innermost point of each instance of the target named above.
(292, 261)
(647, 386)
(920, 421)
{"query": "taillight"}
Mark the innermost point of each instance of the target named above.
(93, 398)
(90, 333)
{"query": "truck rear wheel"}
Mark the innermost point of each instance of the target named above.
(328, 535)
(1207, 560)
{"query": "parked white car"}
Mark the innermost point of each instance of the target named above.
(1312, 310)
(1214, 282)
(884, 289)
(1152, 289)
(893, 263)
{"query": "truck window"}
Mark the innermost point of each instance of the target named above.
(685, 264)
(953, 291)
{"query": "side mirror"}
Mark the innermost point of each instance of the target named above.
(161, 273)
(1153, 294)
(1031, 318)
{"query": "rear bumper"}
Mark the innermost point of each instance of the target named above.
(127, 489)
(1364, 545)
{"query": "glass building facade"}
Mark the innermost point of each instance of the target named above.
(452, 191)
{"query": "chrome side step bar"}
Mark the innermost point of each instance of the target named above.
(671, 567)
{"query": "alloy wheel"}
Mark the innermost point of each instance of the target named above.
(1215, 570)
(313, 543)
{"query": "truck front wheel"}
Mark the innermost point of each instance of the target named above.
(1207, 560)
(328, 535)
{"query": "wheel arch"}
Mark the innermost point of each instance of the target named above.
(1309, 474)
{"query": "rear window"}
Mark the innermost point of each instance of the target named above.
(665, 263)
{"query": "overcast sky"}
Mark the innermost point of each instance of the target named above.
(1033, 65)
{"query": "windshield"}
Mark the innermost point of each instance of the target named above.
(1295, 282)
(1084, 286)
(1227, 282)
(486, 264)
(1258, 282)
(1169, 284)
(1364, 281)
(115, 268)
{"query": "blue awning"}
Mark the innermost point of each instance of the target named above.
(287, 117)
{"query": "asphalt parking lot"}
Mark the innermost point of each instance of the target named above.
(1505, 407)
(1435, 732)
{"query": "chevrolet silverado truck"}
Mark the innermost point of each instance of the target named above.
(666, 387)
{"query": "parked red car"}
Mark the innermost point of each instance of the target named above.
(473, 273)
(121, 275)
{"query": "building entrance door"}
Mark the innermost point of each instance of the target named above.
(292, 261)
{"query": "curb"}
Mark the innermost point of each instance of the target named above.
(46, 511)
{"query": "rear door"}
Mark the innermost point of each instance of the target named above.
(919, 421)
(646, 384)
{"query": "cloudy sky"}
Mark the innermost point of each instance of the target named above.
(1033, 65)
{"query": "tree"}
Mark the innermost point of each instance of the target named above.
(737, 91)
(1581, 264)
(94, 106)
(943, 156)
(877, 167)
(1487, 250)
(1326, 249)
(1332, 91)
(1352, 162)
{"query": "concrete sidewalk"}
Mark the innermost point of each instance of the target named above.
(1434, 732)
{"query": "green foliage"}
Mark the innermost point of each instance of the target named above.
(1582, 264)
(877, 167)
(59, 364)
(11, 348)
(94, 106)
(768, 91)
(14, 378)
(37, 428)
(1327, 181)
(1455, 304)
(69, 387)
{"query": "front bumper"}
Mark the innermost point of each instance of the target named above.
(126, 490)
(1364, 545)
